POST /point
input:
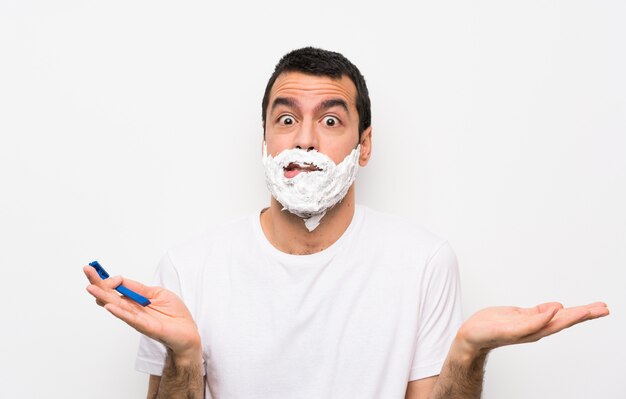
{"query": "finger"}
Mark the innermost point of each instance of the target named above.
(112, 282)
(105, 296)
(133, 319)
(597, 312)
(595, 309)
(566, 318)
(94, 278)
(92, 275)
(596, 305)
(548, 305)
(141, 289)
(530, 324)
(542, 308)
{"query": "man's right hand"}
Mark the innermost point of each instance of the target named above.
(166, 319)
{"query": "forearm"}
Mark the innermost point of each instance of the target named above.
(182, 377)
(461, 376)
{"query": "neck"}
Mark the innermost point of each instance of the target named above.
(288, 233)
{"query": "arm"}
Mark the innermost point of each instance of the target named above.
(182, 378)
(460, 378)
(166, 320)
(462, 373)
(153, 386)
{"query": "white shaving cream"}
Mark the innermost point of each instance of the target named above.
(309, 194)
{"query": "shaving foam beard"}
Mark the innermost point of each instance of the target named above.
(309, 194)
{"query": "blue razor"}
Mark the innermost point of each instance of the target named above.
(142, 300)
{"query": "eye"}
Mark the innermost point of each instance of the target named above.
(286, 120)
(331, 121)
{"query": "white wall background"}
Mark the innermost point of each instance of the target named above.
(127, 127)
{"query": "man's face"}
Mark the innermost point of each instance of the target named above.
(313, 112)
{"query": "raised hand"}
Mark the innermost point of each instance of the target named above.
(166, 319)
(487, 329)
(506, 325)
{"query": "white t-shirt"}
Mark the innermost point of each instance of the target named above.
(360, 319)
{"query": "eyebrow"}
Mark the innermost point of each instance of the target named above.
(292, 103)
(287, 101)
(333, 102)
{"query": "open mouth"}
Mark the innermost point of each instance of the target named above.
(295, 168)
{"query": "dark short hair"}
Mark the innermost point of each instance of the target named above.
(318, 62)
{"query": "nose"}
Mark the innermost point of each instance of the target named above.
(306, 137)
(308, 149)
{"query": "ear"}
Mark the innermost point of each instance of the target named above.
(366, 146)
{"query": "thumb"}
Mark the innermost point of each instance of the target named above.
(140, 288)
(114, 281)
(537, 321)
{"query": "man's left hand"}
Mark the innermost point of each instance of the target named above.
(507, 325)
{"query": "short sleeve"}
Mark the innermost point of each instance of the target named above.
(440, 313)
(151, 354)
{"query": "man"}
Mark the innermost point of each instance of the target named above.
(316, 297)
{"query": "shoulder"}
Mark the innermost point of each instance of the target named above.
(400, 244)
